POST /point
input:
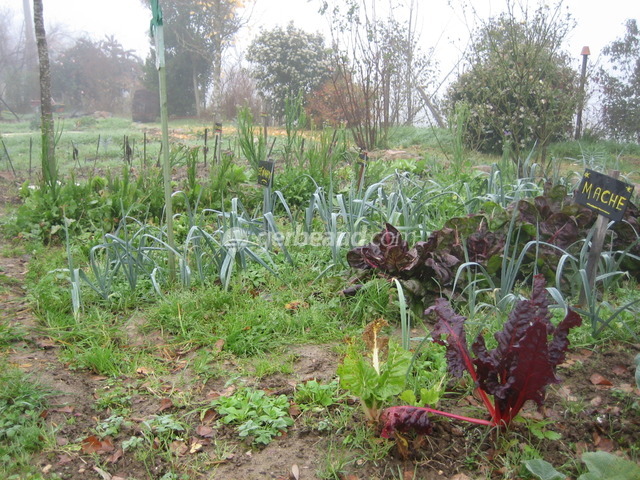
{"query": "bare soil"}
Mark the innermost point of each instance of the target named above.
(596, 407)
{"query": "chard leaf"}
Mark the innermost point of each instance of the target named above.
(524, 362)
(451, 325)
(358, 376)
(405, 419)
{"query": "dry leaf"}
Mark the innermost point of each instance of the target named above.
(195, 447)
(565, 394)
(64, 459)
(103, 474)
(598, 379)
(45, 343)
(296, 304)
(165, 404)
(295, 472)
(204, 431)
(294, 410)
(626, 388)
(619, 370)
(117, 455)
(596, 401)
(209, 416)
(218, 346)
(606, 445)
(93, 444)
(65, 409)
(179, 448)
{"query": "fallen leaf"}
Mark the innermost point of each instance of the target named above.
(93, 444)
(64, 459)
(598, 379)
(204, 431)
(103, 474)
(565, 394)
(209, 416)
(296, 304)
(619, 370)
(195, 447)
(179, 448)
(605, 444)
(295, 472)
(218, 346)
(45, 343)
(65, 409)
(165, 404)
(227, 392)
(626, 388)
(117, 455)
(294, 410)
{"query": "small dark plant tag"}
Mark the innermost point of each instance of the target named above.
(265, 173)
(604, 195)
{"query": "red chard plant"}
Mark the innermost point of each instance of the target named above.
(519, 368)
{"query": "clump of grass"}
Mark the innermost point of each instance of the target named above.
(22, 429)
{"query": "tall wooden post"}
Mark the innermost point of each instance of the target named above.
(583, 78)
(158, 34)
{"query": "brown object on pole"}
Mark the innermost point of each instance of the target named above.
(583, 76)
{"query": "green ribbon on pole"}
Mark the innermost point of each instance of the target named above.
(156, 19)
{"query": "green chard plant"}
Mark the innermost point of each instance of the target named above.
(378, 376)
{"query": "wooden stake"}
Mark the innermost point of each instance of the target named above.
(597, 242)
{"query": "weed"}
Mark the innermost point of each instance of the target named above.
(316, 396)
(257, 417)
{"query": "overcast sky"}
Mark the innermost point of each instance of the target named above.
(442, 23)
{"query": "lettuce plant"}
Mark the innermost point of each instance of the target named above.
(519, 368)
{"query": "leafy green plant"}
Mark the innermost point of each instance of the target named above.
(257, 417)
(517, 370)
(316, 396)
(378, 376)
(600, 465)
(157, 432)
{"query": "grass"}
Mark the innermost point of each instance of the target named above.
(23, 431)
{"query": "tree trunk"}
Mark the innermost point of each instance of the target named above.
(49, 170)
(218, 46)
(196, 90)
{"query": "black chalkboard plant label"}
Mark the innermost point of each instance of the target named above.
(265, 173)
(604, 195)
